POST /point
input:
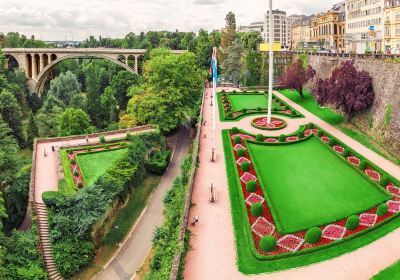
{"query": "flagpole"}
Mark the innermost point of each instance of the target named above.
(271, 61)
(214, 103)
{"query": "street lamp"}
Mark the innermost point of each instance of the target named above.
(271, 61)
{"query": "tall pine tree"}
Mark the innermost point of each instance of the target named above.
(12, 115)
(32, 131)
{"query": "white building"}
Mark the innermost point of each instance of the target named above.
(282, 29)
(254, 26)
(364, 26)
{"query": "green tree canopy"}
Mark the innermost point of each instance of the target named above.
(73, 122)
(12, 115)
(233, 63)
(64, 87)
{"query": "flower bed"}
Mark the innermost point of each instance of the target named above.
(262, 123)
(294, 244)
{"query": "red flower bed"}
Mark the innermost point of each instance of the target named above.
(262, 123)
(265, 225)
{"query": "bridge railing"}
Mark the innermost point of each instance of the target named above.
(373, 56)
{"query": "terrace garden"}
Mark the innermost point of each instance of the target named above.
(302, 198)
(235, 105)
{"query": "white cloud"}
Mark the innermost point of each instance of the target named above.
(57, 19)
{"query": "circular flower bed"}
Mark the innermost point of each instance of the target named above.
(262, 123)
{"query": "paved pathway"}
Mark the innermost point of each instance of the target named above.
(213, 253)
(134, 252)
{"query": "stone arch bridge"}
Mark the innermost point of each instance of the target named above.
(37, 63)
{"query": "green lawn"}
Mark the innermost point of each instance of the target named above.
(390, 273)
(312, 106)
(309, 185)
(93, 165)
(249, 101)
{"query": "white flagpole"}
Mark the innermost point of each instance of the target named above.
(271, 61)
(214, 105)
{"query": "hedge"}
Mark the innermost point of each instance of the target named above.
(313, 235)
(353, 222)
(382, 209)
(241, 152)
(268, 243)
(245, 167)
(257, 209)
(251, 186)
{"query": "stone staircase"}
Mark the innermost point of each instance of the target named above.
(45, 243)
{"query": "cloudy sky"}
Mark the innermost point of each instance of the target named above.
(77, 19)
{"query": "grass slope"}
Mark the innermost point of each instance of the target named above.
(93, 165)
(309, 185)
(312, 106)
(247, 259)
(390, 273)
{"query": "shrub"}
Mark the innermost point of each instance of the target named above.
(223, 91)
(230, 115)
(244, 110)
(300, 135)
(346, 152)
(80, 185)
(257, 209)
(259, 137)
(158, 162)
(123, 145)
(310, 125)
(251, 186)
(293, 113)
(313, 235)
(353, 222)
(382, 210)
(234, 91)
(108, 147)
(235, 130)
(237, 140)
(89, 149)
(363, 164)
(73, 161)
(245, 167)
(384, 181)
(268, 243)
(320, 133)
(228, 109)
(286, 107)
(259, 109)
(241, 152)
(70, 152)
(128, 136)
(102, 139)
(282, 138)
(332, 142)
(76, 174)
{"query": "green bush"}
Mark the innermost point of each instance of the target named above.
(352, 222)
(73, 161)
(282, 138)
(241, 152)
(123, 145)
(384, 181)
(293, 113)
(70, 152)
(259, 109)
(76, 174)
(332, 142)
(230, 115)
(257, 209)
(223, 91)
(102, 139)
(244, 110)
(320, 133)
(245, 167)
(158, 162)
(363, 164)
(235, 130)
(259, 138)
(346, 153)
(54, 199)
(313, 235)
(300, 135)
(80, 185)
(234, 91)
(268, 243)
(89, 149)
(108, 147)
(251, 186)
(228, 109)
(310, 125)
(382, 210)
(237, 140)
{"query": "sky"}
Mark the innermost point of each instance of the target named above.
(77, 19)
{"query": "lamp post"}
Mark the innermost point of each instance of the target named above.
(271, 61)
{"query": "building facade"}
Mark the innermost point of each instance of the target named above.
(392, 26)
(254, 26)
(301, 34)
(282, 30)
(328, 29)
(364, 26)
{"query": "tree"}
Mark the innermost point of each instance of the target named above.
(94, 76)
(120, 84)
(203, 50)
(297, 76)
(251, 69)
(12, 115)
(73, 122)
(33, 131)
(64, 87)
(171, 93)
(229, 34)
(48, 117)
(8, 150)
(347, 89)
(232, 65)
(250, 40)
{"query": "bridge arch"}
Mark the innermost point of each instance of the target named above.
(40, 79)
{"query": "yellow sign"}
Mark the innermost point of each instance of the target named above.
(276, 47)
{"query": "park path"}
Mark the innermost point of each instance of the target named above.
(138, 246)
(213, 247)
(46, 173)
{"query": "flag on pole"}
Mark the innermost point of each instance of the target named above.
(214, 65)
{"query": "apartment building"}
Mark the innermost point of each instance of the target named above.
(392, 26)
(282, 30)
(328, 29)
(254, 26)
(364, 26)
(301, 34)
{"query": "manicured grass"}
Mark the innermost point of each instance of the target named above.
(249, 101)
(390, 273)
(93, 165)
(67, 185)
(312, 106)
(250, 262)
(308, 185)
(125, 220)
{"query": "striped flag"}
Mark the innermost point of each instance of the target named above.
(214, 65)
